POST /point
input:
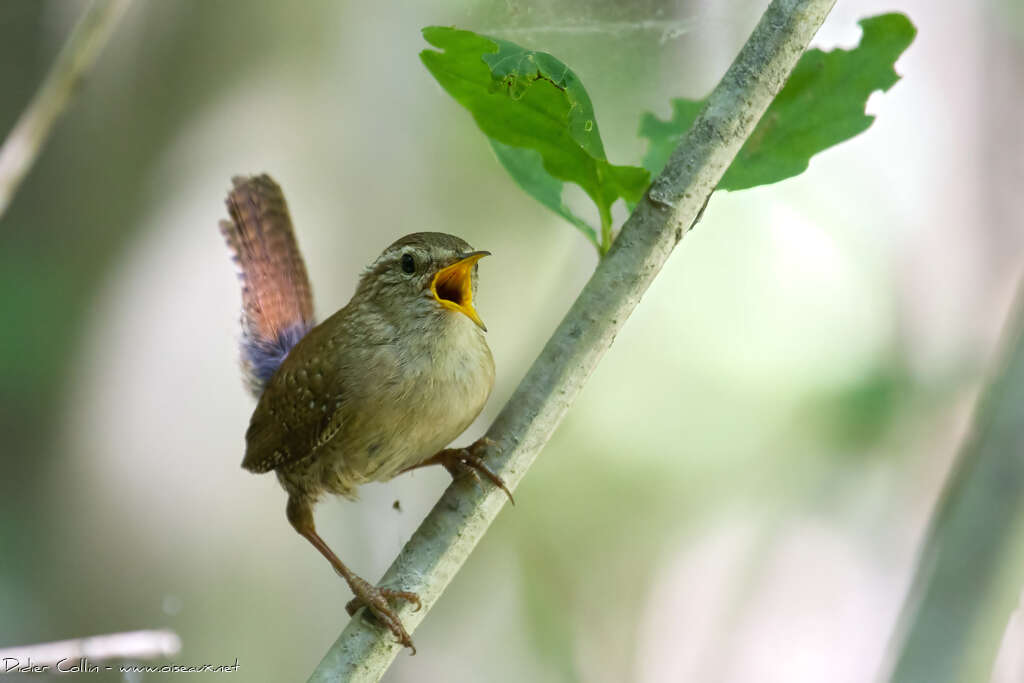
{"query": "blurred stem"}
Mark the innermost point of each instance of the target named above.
(26, 140)
(444, 540)
(969, 575)
(129, 645)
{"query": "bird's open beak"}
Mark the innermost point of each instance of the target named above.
(453, 286)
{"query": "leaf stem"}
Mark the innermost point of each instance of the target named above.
(606, 230)
(447, 536)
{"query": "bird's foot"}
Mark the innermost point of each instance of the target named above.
(459, 461)
(376, 601)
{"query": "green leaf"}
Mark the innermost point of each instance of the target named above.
(821, 105)
(539, 120)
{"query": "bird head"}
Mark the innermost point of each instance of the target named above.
(424, 274)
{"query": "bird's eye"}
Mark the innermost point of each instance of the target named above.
(408, 264)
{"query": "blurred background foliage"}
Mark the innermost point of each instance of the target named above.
(738, 495)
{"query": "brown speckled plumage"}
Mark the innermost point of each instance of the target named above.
(380, 387)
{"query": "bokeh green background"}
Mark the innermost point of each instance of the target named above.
(740, 491)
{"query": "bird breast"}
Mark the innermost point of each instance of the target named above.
(417, 394)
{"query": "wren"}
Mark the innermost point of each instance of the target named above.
(377, 389)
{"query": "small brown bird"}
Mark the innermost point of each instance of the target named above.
(379, 388)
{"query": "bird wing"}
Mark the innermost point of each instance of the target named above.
(300, 409)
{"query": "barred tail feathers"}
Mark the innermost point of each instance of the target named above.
(277, 301)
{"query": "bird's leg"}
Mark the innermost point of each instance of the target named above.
(459, 461)
(300, 514)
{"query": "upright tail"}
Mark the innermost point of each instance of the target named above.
(277, 301)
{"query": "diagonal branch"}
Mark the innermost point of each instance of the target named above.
(444, 540)
(26, 139)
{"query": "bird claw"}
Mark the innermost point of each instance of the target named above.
(376, 601)
(460, 461)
